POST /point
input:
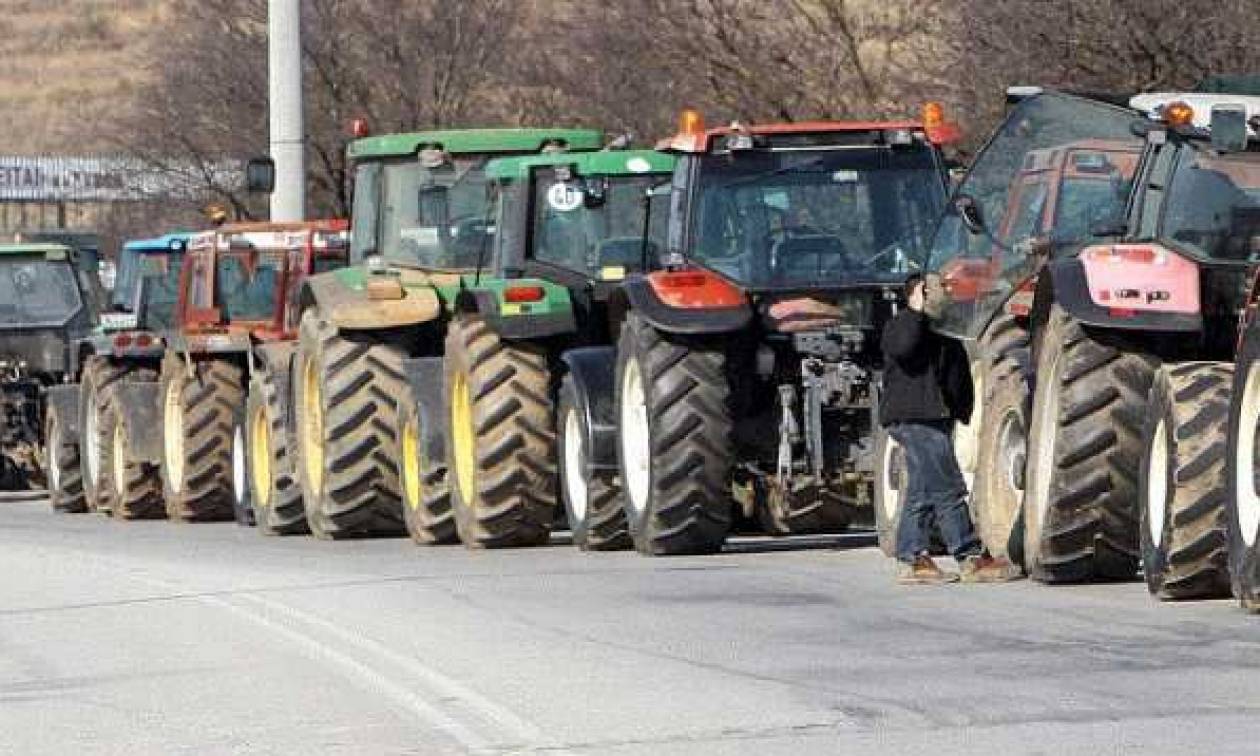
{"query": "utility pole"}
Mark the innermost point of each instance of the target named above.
(288, 131)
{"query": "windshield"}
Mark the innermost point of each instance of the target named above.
(435, 218)
(595, 225)
(1213, 206)
(810, 217)
(1054, 170)
(160, 293)
(35, 292)
(249, 292)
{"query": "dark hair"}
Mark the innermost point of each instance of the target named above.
(913, 281)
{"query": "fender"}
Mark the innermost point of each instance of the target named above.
(342, 297)
(141, 417)
(426, 384)
(65, 397)
(703, 302)
(592, 372)
(1148, 299)
(548, 311)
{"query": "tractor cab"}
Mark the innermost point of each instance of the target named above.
(243, 278)
(578, 222)
(1092, 189)
(420, 199)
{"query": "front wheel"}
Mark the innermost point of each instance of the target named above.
(1183, 484)
(200, 404)
(592, 500)
(674, 440)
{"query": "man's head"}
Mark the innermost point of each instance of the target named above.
(925, 293)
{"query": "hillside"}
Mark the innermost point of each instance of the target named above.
(66, 65)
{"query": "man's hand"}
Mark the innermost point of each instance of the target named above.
(915, 302)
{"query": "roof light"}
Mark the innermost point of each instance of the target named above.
(1177, 114)
(433, 157)
(933, 115)
(690, 122)
(359, 128)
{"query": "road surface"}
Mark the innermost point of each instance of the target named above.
(151, 637)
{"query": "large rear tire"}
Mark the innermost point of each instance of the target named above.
(502, 443)
(346, 393)
(1084, 453)
(1242, 518)
(274, 490)
(199, 416)
(674, 440)
(1183, 482)
(426, 488)
(592, 500)
(65, 471)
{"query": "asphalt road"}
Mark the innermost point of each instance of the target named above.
(158, 638)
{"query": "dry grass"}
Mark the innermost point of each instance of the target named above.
(67, 66)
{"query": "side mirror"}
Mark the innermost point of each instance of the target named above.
(260, 175)
(1229, 128)
(970, 212)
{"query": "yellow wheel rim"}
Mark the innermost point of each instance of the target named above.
(462, 436)
(411, 463)
(120, 459)
(312, 425)
(173, 434)
(260, 456)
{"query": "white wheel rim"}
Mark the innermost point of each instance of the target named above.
(890, 494)
(93, 442)
(1248, 499)
(173, 427)
(1043, 454)
(636, 439)
(54, 455)
(119, 459)
(574, 466)
(239, 469)
(1012, 450)
(1157, 483)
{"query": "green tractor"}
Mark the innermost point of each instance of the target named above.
(372, 334)
(569, 228)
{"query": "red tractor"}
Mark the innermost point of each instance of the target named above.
(1098, 331)
(747, 369)
(235, 321)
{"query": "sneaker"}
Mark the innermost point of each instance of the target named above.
(923, 571)
(987, 569)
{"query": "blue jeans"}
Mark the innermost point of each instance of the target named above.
(935, 492)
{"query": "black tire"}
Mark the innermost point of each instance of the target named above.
(592, 501)
(96, 429)
(1084, 453)
(1005, 402)
(499, 395)
(890, 487)
(426, 489)
(1182, 483)
(199, 416)
(65, 472)
(346, 392)
(1242, 463)
(683, 502)
(242, 491)
(135, 484)
(275, 494)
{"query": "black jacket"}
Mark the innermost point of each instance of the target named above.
(926, 375)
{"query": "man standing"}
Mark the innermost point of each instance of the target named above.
(927, 388)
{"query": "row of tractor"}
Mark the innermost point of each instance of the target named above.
(525, 329)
